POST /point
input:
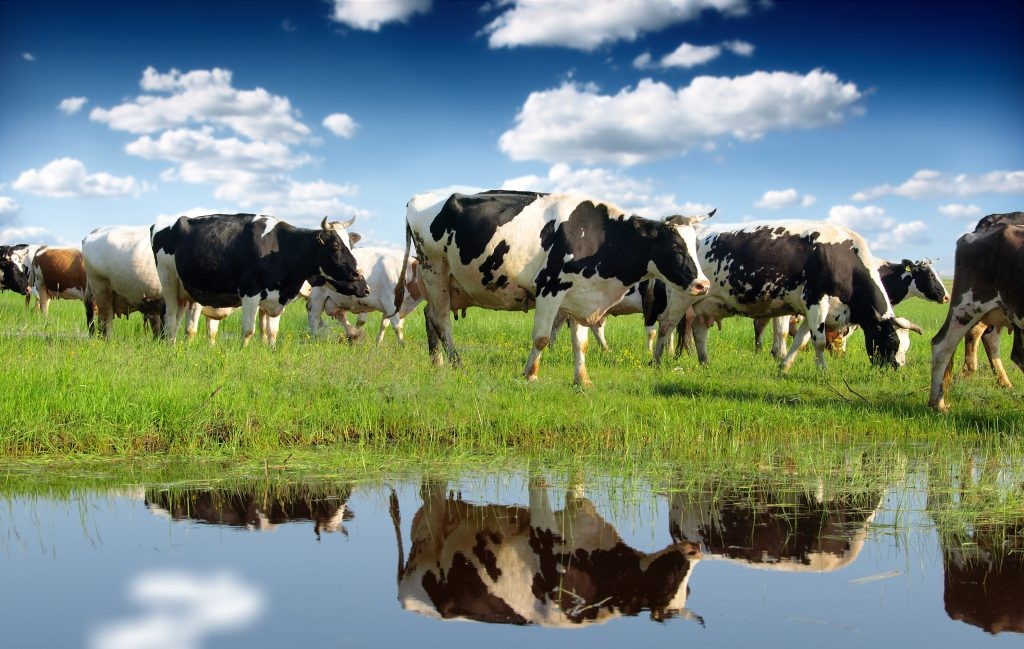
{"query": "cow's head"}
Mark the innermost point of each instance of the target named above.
(335, 261)
(887, 341)
(12, 272)
(675, 253)
(925, 282)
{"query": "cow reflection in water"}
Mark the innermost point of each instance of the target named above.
(516, 565)
(984, 578)
(762, 528)
(257, 509)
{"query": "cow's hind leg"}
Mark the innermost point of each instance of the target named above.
(992, 338)
(944, 344)
(250, 309)
(971, 348)
(579, 353)
(271, 325)
(700, 339)
(598, 330)
(799, 340)
(192, 314)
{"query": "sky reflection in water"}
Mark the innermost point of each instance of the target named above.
(361, 565)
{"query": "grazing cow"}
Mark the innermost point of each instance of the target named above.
(900, 279)
(59, 272)
(381, 268)
(795, 531)
(232, 260)
(14, 274)
(988, 287)
(517, 565)
(121, 275)
(254, 509)
(819, 270)
(514, 251)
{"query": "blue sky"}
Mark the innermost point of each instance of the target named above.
(902, 120)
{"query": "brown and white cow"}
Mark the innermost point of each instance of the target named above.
(58, 272)
(534, 565)
(988, 287)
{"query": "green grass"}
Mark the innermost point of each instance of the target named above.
(68, 396)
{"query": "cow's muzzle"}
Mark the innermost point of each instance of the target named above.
(700, 287)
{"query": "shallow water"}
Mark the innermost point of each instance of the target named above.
(500, 561)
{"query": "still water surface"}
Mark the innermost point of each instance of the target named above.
(490, 561)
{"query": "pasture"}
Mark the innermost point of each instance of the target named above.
(66, 395)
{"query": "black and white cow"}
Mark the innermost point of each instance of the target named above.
(988, 287)
(231, 260)
(901, 280)
(513, 251)
(14, 275)
(506, 564)
(766, 269)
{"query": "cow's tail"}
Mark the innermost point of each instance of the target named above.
(647, 304)
(400, 286)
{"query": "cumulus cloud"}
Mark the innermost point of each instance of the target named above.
(688, 55)
(341, 125)
(632, 195)
(8, 208)
(589, 24)
(374, 14)
(881, 230)
(244, 142)
(72, 105)
(204, 97)
(68, 178)
(929, 184)
(914, 233)
(576, 122)
(28, 56)
(955, 211)
(776, 199)
(30, 234)
(182, 610)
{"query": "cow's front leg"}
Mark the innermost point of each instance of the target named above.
(780, 329)
(579, 354)
(192, 314)
(700, 327)
(250, 309)
(212, 327)
(271, 325)
(943, 345)
(816, 316)
(799, 340)
(675, 310)
(543, 319)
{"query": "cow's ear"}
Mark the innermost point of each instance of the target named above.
(908, 265)
(321, 237)
(354, 238)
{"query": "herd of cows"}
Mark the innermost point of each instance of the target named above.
(567, 258)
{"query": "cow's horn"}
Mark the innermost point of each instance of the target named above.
(323, 224)
(690, 220)
(907, 324)
(349, 222)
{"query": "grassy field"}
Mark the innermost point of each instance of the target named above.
(68, 396)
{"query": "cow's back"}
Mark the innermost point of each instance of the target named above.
(122, 256)
(213, 253)
(61, 268)
(991, 262)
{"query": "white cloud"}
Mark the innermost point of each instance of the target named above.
(914, 233)
(881, 230)
(739, 48)
(577, 123)
(688, 56)
(371, 15)
(72, 105)
(341, 125)
(28, 56)
(776, 199)
(204, 96)
(634, 196)
(955, 211)
(589, 24)
(929, 184)
(181, 610)
(31, 234)
(305, 204)
(8, 208)
(68, 178)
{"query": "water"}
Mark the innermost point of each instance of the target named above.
(501, 561)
